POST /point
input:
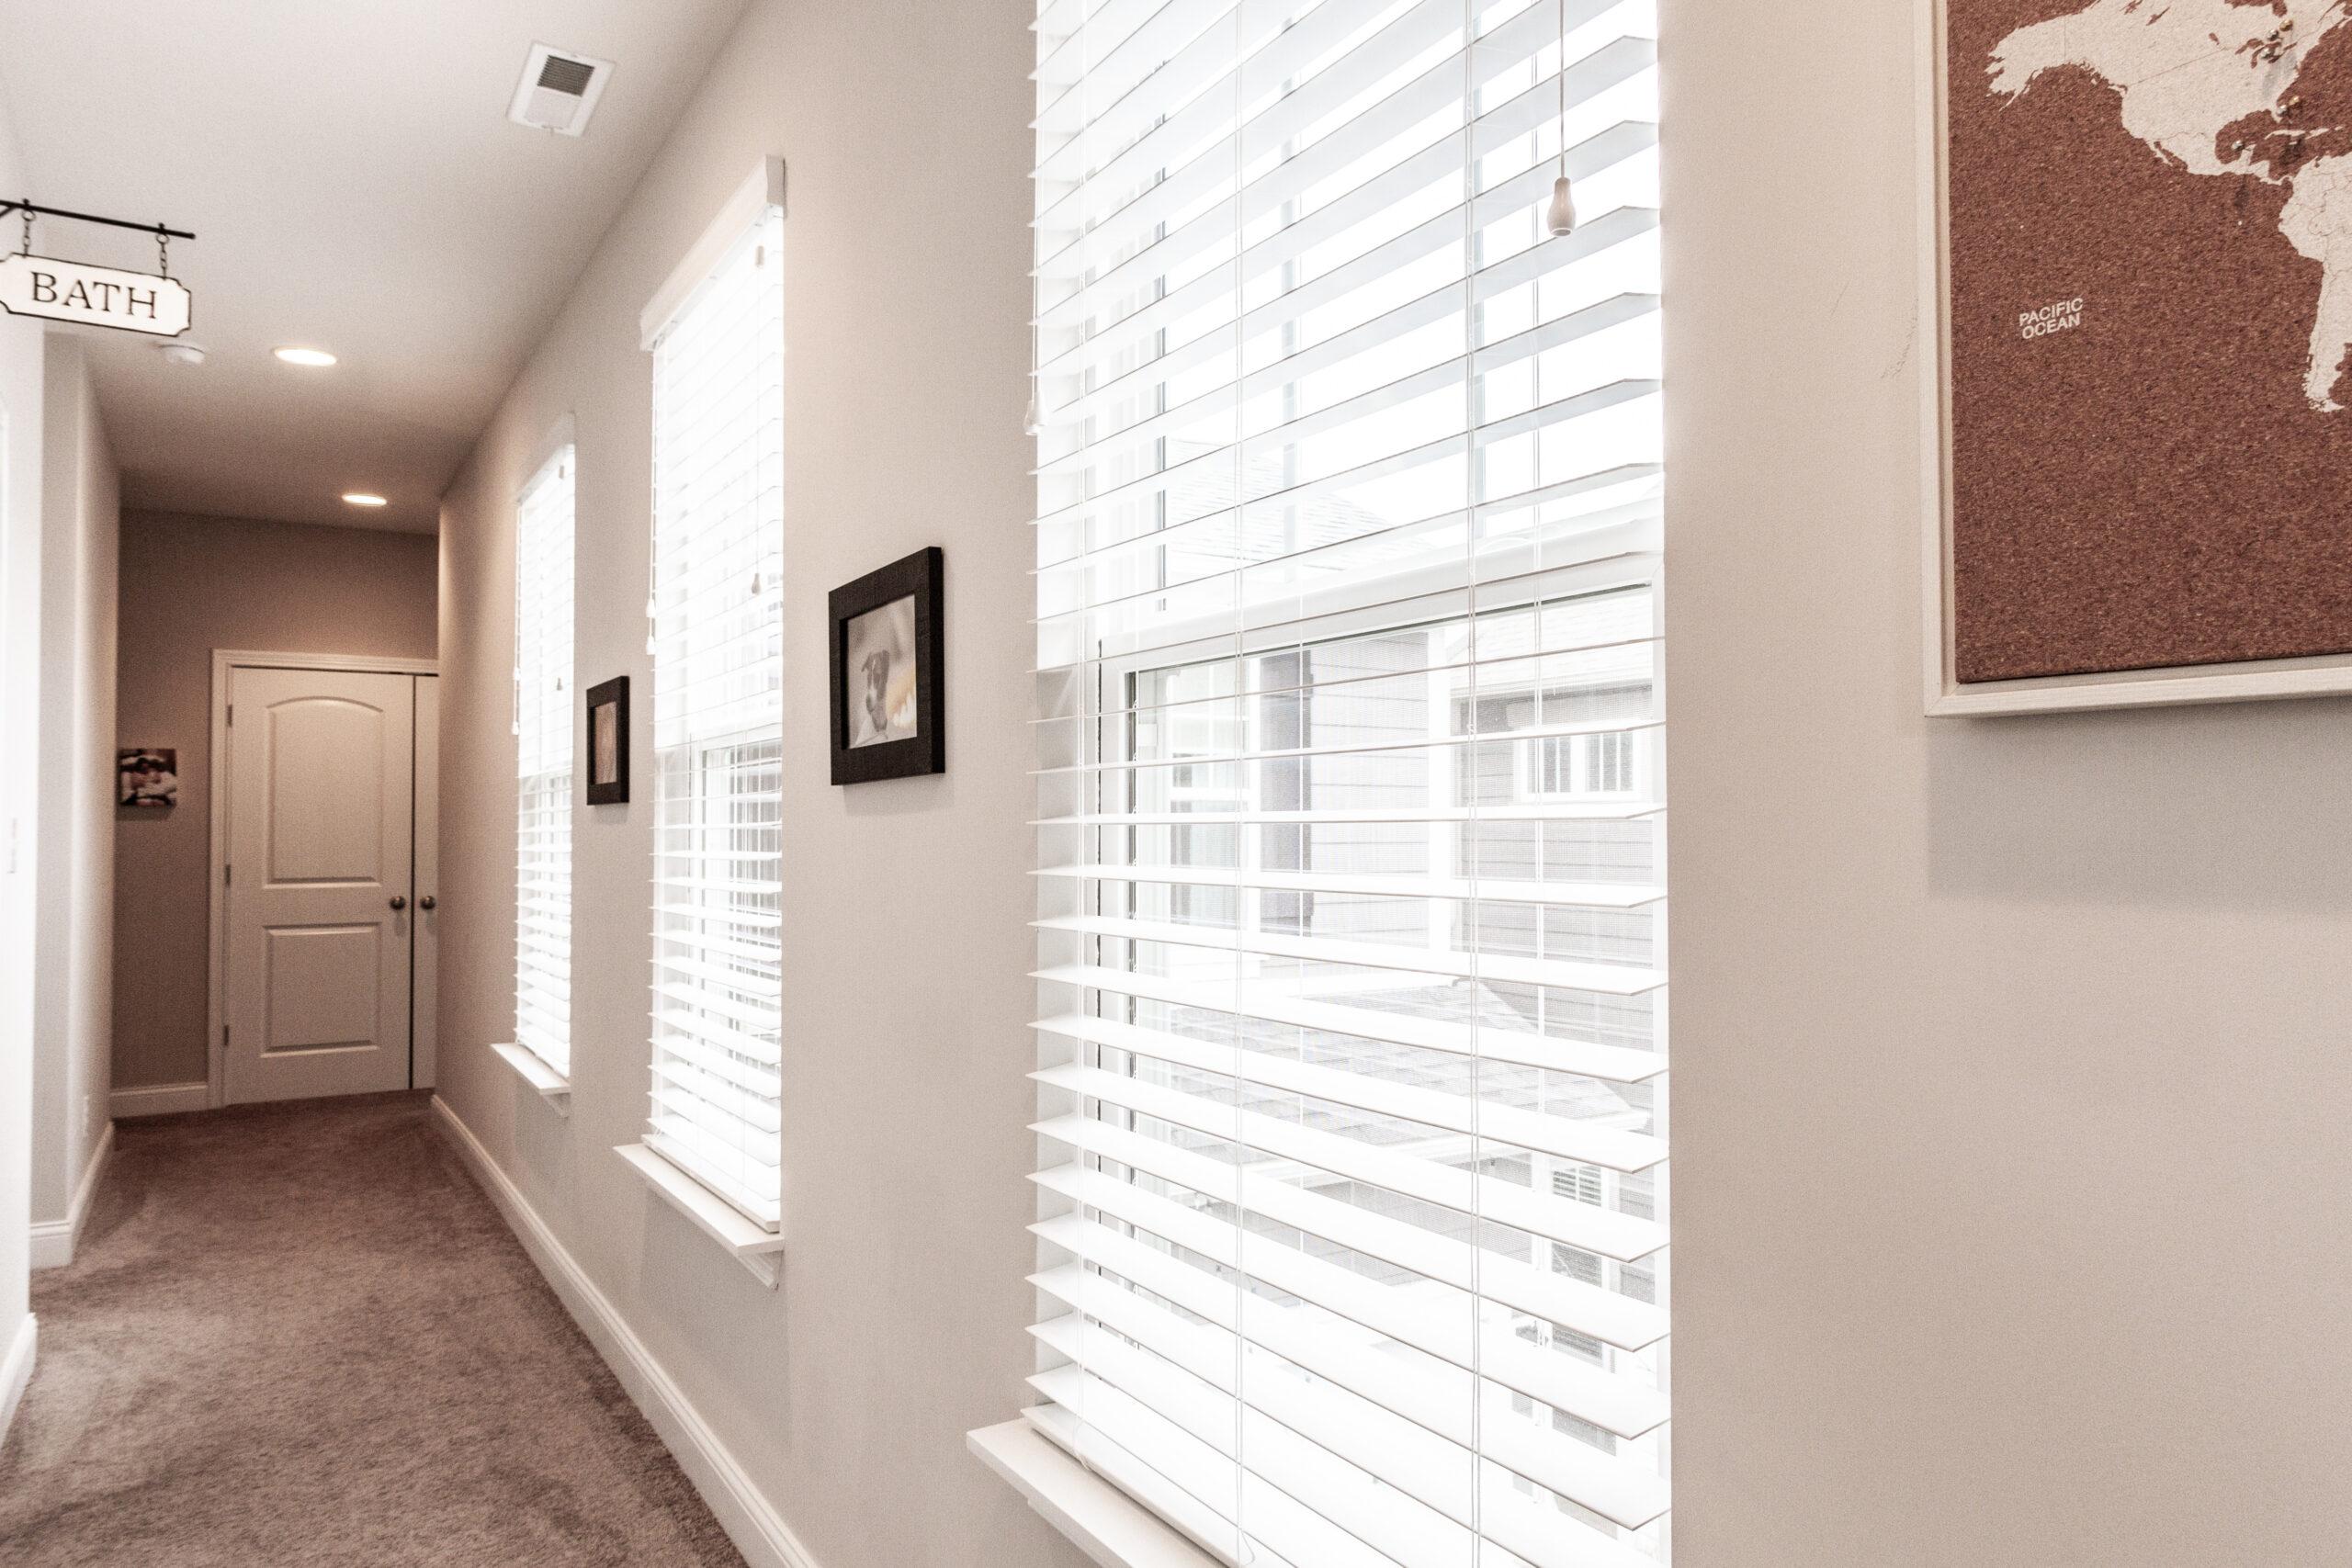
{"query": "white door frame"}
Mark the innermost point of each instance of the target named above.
(225, 662)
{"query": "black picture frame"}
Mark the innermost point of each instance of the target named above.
(607, 772)
(860, 754)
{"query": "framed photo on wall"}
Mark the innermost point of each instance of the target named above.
(888, 672)
(2137, 302)
(608, 743)
(147, 777)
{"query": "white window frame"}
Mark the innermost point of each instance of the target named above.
(548, 1071)
(754, 1241)
(1059, 1458)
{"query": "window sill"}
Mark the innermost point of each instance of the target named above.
(553, 1088)
(761, 1251)
(1100, 1520)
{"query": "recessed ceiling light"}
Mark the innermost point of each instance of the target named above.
(304, 356)
(182, 353)
(361, 498)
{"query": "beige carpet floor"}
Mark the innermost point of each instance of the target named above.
(298, 1335)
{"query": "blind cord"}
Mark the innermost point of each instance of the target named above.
(1562, 218)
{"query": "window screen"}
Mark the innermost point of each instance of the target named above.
(544, 701)
(717, 718)
(1352, 1116)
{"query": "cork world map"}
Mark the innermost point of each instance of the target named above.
(2149, 239)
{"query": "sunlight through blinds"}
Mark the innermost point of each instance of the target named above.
(1351, 1034)
(718, 725)
(543, 708)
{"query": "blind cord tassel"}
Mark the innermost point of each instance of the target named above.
(1562, 218)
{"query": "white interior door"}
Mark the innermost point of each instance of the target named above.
(320, 883)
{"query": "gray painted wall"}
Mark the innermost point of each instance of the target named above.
(899, 1325)
(2011, 1177)
(190, 585)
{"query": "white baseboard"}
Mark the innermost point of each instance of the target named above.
(750, 1520)
(16, 1371)
(54, 1240)
(159, 1100)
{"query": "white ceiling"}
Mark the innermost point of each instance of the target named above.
(353, 184)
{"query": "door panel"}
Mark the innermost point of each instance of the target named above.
(320, 809)
(325, 810)
(324, 988)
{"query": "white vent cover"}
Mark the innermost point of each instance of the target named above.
(558, 90)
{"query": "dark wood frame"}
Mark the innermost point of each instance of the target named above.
(615, 693)
(920, 575)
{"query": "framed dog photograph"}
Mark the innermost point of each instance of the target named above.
(608, 743)
(888, 672)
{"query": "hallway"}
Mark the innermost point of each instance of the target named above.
(299, 1333)
(1175, 784)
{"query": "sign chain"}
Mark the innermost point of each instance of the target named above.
(163, 253)
(28, 210)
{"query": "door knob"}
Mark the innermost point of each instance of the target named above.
(400, 901)
(426, 902)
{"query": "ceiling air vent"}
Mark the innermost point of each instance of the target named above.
(558, 90)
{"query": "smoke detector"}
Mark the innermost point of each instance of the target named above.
(558, 90)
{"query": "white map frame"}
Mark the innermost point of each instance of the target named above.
(1946, 696)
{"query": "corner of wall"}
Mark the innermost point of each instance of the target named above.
(16, 1369)
(94, 967)
(73, 895)
(21, 353)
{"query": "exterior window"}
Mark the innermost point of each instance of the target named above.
(1582, 1182)
(544, 702)
(718, 725)
(1581, 764)
(1354, 1212)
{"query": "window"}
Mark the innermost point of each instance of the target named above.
(1581, 764)
(543, 708)
(718, 723)
(1351, 1059)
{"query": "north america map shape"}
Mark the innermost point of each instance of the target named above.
(2209, 87)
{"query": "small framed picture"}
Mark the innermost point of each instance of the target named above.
(608, 743)
(888, 672)
(147, 776)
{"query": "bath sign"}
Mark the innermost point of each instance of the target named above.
(93, 296)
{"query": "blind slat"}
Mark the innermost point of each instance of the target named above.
(1585, 895)
(1610, 979)
(1280, 1004)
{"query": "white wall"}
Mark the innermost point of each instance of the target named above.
(900, 1322)
(20, 511)
(2012, 1179)
(74, 950)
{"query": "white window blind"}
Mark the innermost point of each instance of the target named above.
(718, 725)
(1353, 1109)
(544, 702)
